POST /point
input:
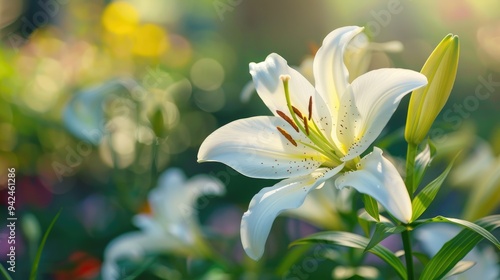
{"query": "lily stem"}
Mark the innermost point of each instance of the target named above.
(408, 254)
(410, 168)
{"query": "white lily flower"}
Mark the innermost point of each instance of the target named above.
(172, 225)
(433, 236)
(315, 133)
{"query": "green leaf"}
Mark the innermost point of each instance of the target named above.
(5, 273)
(427, 194)
(421, 257)
(478, 229)
(454, 250)
(382, 231)
(352, 240)
(34, 268)
(371, 206)
(422, 162)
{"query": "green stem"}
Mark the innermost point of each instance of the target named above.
(410, 168)
(408, 254)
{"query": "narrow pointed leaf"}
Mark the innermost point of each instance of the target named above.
(427, 195)
(454, 250)
(36, 262)
(382, 231)
(371, 206)
(352, 240)
(478, 229)
(422, 162)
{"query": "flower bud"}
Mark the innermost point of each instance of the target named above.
(426, 103)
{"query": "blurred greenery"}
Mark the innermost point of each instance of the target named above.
(97, 98)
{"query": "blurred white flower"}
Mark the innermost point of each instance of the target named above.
(85, 114)
(433, 236)
(171, 227)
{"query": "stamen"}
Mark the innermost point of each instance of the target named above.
(297, 112)
(310, 107)
(306, 125)
(287, 136)
(287, 119)
(285, 78)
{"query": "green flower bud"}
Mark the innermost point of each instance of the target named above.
(426, 103)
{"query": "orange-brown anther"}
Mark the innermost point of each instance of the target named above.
(287, 136)
(288, 120)
(306, 125)
(297, 112)
(310, 107)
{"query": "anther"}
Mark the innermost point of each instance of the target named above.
(306, 125)
(287, 136)
(287, 119)
(310, 107)
(297, 112)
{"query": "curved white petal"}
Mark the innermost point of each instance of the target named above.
(330, 73)
(369, 103)
(266, 77)
(255, 148)
(377, 177)
(134, 246)
(271, 201)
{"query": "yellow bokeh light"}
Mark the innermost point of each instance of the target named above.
(120, 18)
(150, 40)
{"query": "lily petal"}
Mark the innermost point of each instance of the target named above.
(271, 201)
(267, 80)
(255, 148)
(377, 177)
(369, 103)
(266, 77)
(330, 73)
